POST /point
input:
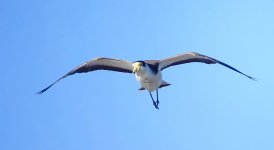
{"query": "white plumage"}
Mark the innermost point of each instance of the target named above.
(148, 79)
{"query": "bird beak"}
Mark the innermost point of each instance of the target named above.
(136, 67)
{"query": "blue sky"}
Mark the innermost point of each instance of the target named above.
(207, 107)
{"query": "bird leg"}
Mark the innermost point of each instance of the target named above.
(154, 103)
(157, 102)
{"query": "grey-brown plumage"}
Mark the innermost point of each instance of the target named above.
(147, 72)
(194, 57)
(97, 64)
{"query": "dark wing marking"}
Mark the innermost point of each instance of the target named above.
(97, 64)
(194, 57)
(153, 64)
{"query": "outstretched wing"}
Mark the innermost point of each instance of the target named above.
(97, 64)
(194, 57)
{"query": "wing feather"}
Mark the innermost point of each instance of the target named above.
(97, 64)
(194, 57)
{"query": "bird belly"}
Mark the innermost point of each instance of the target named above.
(149, 82)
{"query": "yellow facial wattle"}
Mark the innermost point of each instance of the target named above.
(136, 67)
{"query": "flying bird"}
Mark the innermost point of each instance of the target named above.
(147, 72)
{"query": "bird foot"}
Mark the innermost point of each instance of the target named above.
(156, 105)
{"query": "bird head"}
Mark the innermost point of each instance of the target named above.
(137, 66)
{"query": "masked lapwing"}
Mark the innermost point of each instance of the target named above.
(147, 72)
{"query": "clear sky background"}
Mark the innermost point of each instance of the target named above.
(208, 107)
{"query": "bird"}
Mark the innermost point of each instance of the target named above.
(147, 72)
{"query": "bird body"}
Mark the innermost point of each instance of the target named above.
(147, 72)
(149, 79)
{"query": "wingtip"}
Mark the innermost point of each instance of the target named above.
(44, 90)
(40, 92)
(252, 78)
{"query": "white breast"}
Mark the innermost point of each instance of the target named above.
(148, 79)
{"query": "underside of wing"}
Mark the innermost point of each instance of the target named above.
(194, 57)
(185, 58)
(97, 64)
(104, 64)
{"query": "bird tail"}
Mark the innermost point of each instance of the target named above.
(163, 84)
